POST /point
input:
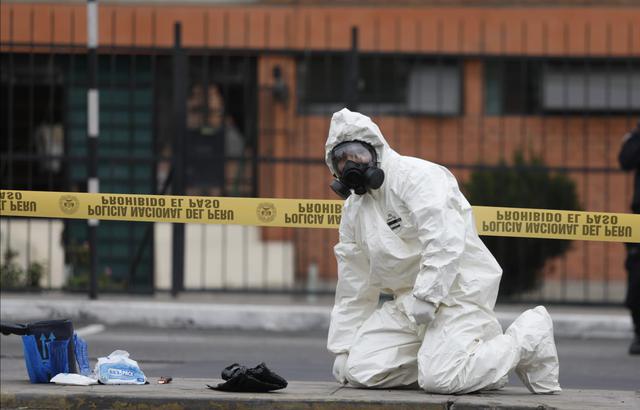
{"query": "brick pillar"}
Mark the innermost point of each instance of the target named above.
(473, 80)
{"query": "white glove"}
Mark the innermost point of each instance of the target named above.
(423, 312)
(340, 368)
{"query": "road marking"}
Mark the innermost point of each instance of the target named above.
(90, 330)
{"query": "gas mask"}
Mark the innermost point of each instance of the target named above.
(359, 170)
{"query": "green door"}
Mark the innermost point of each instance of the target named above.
(125, 165)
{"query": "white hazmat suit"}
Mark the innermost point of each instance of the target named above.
(415, 238)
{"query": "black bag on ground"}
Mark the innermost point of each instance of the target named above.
(259, 379)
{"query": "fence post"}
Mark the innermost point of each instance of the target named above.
(93, 130)
(352, 76)
(180, 73)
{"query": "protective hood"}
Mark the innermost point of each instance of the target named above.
(352, 126)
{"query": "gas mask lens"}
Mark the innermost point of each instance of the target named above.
(354, 151)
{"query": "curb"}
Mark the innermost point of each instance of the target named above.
(273, 318)
(193, 394)
(172, 315)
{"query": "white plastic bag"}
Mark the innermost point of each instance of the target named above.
(73, 379)
(117, 368)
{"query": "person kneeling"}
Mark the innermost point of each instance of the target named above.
(406, 229)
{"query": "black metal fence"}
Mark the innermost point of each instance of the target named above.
(199, 121)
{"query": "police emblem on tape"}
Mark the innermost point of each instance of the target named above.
(69, 204)
(266, 211)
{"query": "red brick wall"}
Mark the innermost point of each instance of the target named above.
(607, 31)
(581, 142)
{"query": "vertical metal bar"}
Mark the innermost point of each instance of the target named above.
(543, 121)
(585, 157)
(255, 151)
(461, 114)
(397, 62)
(502, 63)
(439, 91)
(308, 236)
(300, 237)
(312, 275)
(154, 139)
(203, 258)
(630, 37)
(543, 112)
(376, 67)
(205, 113)
(131, 165)
(92, 134)
(247, 96)
(327, 59)
(565, 138)
(109, 228)
(352, 72)
(225, 70)
(205, 123)
(417, 65)
(31, 161)
(69, 83)
(523, 250)
(50, 116)
(503, 78)
(481, 115)
(629, 190)
(205, 80)
(524, 76)
(288, 36)
(245, 229)
(180, 73)
(10, 123)
(607, 155)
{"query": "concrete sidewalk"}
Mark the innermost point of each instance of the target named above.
(193, 394)
(263, 312)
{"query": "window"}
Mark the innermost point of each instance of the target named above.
(386, 84)
(531, 86)
(31, 113)
(434, 90)
(511, 87)
(590, 87)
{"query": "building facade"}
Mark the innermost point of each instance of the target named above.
(465, 84)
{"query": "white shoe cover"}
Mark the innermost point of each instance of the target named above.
(538, 367)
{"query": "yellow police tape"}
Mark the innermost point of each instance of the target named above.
(303, 213)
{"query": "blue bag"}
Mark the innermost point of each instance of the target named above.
(50, 347)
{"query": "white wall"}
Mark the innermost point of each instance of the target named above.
(43, 238)
(229, 256)
(216, 256)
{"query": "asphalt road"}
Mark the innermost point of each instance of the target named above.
(584, 364)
